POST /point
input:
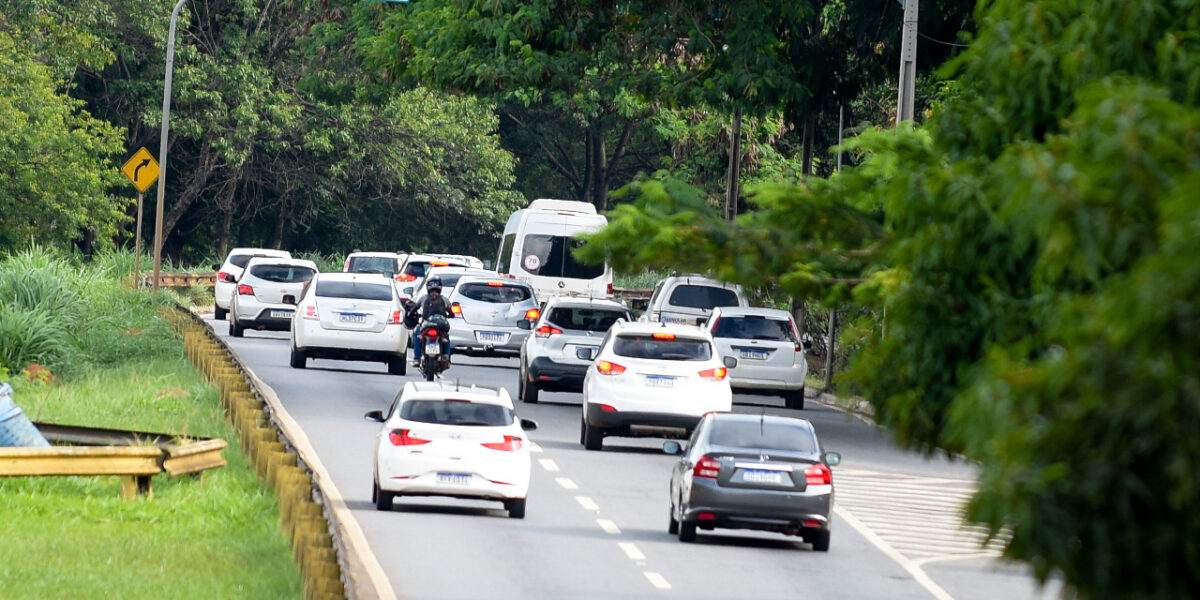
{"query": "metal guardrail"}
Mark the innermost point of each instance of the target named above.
(178, 279)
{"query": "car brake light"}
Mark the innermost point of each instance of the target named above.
(609, 368)
(495, 284)
(663, 336)
(608, 408)
(346, 267)
(221, 276)
(610, 289)
(395, 319)
(716, 321)
(706, 516)
(532, 314)
(310, 312)
(796, 335)
(707, 467)
(546, 331)
(818, 474)
(406, 277)
(245, 290)
(456, 309)
(510, 444)
(438, 263)
(713, 374)
(400, 437)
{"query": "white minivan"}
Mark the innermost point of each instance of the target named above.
(537, 245)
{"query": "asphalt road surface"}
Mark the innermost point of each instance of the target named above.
(596, 525)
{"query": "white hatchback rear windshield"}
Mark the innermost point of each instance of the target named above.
(648, 346)
(282, 273)
(456, 412)
(354, 290)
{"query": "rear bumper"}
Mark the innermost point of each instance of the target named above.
(255, 315)
(550, 375)
(639, 424)
(764, 510)
(317, 342)
(464, 340)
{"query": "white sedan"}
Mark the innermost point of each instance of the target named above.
(440, 439)
(350, 316)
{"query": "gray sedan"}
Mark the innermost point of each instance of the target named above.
(761, 472)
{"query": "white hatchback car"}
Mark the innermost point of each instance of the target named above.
(440, 439)
(652, 379)
(548, 359)
(229, 271)
(767, 345)
(267, 293)
(487, 313)
(350, 316)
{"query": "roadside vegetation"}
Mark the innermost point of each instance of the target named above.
(80, 348)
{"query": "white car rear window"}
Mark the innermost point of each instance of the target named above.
(585, 319)
(762, 434)
(702, 296)
(282, 273)
(497, 294)
(753, 328)
(354, 290)
(648, 346)
(456, 412)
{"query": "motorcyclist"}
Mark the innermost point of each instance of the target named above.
(432, 304)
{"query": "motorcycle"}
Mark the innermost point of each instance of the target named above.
(434, 335)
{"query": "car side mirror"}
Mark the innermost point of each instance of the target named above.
(729, 362)
(700, 321)
(216, 267)
(525, 324)
(528, 424)
(375, 416)
(672, 447)
(833, 458)
(586, 353)
(807, 344)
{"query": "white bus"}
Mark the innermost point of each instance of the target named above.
(537, 244)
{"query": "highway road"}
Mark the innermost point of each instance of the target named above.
(597, 521)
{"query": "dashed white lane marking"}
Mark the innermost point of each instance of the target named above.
(534, 447)
(587, 503)
(548, 464)
(566, 483)
(631, 550)
(657, 580)
(608, 526)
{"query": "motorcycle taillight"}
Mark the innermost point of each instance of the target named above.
(431, 333)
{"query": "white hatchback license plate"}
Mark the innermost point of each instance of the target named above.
(756, 476)
(454, 478)
(353, 318)
(281, 314)
(660, 381)
(433, 348)
(754, 354)
(490, 336)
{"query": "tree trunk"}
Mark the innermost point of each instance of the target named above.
(810, 124)
(600, 180)
(589, 165)
(830, 349)
(732, 189)
(280, 219)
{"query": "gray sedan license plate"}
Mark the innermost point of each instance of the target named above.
(757, 476)
(454, 478)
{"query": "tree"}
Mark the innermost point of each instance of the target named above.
(1034, 249)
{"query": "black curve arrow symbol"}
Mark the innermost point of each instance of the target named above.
(145, 162)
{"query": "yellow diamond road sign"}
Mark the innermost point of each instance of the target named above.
(141, 169)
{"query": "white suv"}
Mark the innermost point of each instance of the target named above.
(548, 359)
(652, 380)
(690, 299)
(767, 345)
(229, 271)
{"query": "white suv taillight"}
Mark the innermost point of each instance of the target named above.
(609, 368)
(310, 312)
(707, 467)
(713, 374)
(818, 474)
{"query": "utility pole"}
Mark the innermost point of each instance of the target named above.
(735, 166)
(908, 64)
(162, 143)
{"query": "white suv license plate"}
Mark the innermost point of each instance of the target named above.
(353, 318)
(756, 476)
(281, 314)
(490, 336)
(660, 381)
(754, 354)
(454, 478)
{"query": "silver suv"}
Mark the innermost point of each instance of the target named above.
(767, 345)
(487, 311)
(549, 359)
(690, 299)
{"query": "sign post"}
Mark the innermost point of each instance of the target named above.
(142, 171)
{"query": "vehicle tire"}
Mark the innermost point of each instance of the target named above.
(672, 524)
(687, 531)
(218, 312)
(591, 437)
(383, 500)
(527, 390)
(397, 365)
(235, 329)
(428, 367)
(794, 399)
(516, 508)
(819, 541)
(298, 360)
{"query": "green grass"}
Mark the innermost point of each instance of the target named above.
(217, 536)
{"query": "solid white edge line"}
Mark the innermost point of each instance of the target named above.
(631, 550)
(912, 567)
(548, 464)
(587, 503)
(657, 580)
(608, 526)
(352, 535)
(566, 483)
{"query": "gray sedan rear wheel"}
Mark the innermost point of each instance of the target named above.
(687, 532)
(819, 541)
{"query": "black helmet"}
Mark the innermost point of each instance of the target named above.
(434, 284)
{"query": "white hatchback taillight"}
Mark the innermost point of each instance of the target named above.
(511, 443)
(707, 467)
(401, 437)
(818, 474)
(245, 290)
(310, 312)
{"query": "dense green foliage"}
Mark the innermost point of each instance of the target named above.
(1034, 249)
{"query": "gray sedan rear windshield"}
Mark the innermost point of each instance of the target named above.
(762, 434)
(702, 296)
(282, 273)
(456, 412)
(646, 346)
(354, 290)
(753, 328)
(586, 319)
(495, 292)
